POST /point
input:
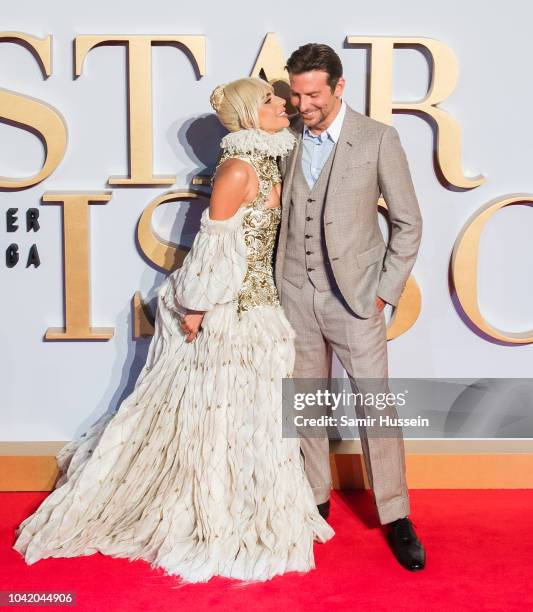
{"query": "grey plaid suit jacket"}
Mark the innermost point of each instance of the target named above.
(369, 161)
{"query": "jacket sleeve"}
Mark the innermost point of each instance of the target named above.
(397, 188)
(213, 270)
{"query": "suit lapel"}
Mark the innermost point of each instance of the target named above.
(285, 205)
(347, 152)
(287, 181)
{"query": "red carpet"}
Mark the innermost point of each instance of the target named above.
(479, 546)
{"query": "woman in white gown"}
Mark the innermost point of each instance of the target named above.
(192, 473)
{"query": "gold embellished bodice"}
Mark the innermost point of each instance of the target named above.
(260, 225)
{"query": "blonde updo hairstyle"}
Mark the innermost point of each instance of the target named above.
(237, 103)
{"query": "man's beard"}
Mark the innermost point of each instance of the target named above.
(318, 117)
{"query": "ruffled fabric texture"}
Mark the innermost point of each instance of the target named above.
(192, 474)
(214, 269)
(278, 144)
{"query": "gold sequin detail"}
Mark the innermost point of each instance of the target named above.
(260, 225)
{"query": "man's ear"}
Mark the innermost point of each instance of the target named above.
(339, 88)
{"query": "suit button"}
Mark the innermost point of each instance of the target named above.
(309, 252)
(308, 236)
(310, 269)
(310, 200)
(309, 218)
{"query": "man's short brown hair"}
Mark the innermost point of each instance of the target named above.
(314, 56)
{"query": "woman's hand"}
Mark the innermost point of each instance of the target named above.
(191, 324)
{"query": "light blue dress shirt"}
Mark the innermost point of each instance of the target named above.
(316, 149)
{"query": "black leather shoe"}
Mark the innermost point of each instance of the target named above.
(405, 544)
(323, 509)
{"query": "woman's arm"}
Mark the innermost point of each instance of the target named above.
(232, 187)
(235, 183)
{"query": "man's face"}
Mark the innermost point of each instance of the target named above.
(312, 96)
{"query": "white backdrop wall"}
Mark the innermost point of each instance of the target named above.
(55, 390)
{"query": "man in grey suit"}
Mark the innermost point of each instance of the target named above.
(334, 272)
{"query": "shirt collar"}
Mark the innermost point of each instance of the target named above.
(333, 131)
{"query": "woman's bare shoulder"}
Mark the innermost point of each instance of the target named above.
(233, 185)
(234, 169)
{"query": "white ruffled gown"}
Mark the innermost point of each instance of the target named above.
(192, 473)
